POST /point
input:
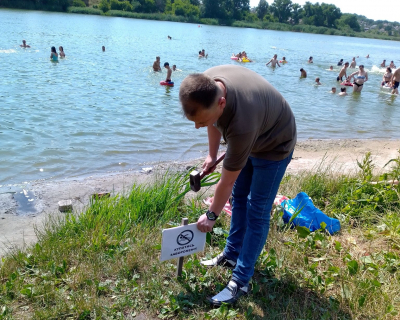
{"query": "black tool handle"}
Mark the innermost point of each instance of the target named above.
(204, 173)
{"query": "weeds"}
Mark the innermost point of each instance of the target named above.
(103, 263)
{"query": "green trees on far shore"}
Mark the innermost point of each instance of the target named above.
(279, 14)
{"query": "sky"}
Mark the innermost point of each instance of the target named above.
(372, 9)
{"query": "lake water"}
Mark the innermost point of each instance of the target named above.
(97, 112)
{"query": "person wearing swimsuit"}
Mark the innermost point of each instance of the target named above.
(61, 49)
(360, 77)
(386, 77)
(53, 54)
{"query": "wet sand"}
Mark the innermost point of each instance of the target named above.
(26, 206)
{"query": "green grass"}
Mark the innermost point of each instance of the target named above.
(104, 262)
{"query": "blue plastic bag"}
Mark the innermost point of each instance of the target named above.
(309, 216)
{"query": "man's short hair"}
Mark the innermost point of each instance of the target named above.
(166, 64)
(200, 89)
(346, 63)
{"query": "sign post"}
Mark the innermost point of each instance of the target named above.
(185, 222)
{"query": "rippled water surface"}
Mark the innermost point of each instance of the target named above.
(96, 112)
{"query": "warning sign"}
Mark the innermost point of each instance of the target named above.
(181, 241)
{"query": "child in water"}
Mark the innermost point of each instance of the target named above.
(62, 54)
(169, 72)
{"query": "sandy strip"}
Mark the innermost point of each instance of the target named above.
(17, 222)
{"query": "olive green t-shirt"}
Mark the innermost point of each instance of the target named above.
(257, 121)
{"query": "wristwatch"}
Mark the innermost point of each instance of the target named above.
(211, 215)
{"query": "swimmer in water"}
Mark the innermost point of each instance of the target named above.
(169, 72)
(174, 67)
(169, 38)
(273, 61)
(103, 48)
(310, 60)
(367, 56)
(283, 60)
(303, 73)
(331, 68)
(383, 64)
(200, 55)
(353, 63)
(62, 53)
(53, 54)
(317, 83)
(156, 64)
(343, 72)
(395, 81)
(392, 65)
(24, 45)
(340, 62)
(333, 90)
(387, 77)
(343, 92)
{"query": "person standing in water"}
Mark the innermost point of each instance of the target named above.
(24, 45)
(343, 72)
(310, 60)
(303, 73)
(395, 81)
(360, 77)
(169, 72)
(53, 54)
(103, 48)
(353, 63)
(273, 61)
(156, 64)
(61, 49)
(387, 77)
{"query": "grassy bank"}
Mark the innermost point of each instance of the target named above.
(103, 263)
(240, 24)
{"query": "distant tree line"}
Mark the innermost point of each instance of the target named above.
(224, 11)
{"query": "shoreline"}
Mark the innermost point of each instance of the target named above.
(24, 208)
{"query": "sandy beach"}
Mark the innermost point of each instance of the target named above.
(24, 207)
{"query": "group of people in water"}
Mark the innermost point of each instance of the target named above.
(355, 79)
(241, 56)
(157, 68)
(203, 54)
(390, 79)
(53, 52)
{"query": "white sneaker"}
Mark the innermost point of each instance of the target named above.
(219, 260)
(232, 292)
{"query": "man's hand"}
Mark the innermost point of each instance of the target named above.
(204, 224)
(209, 163)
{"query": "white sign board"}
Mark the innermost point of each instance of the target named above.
(181, 241)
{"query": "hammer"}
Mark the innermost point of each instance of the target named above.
(195, 176)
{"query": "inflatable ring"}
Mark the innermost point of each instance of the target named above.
(245, 60)
(348, 84)
(234, 58)
(165, 83)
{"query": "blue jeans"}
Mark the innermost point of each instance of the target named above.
(252, 198)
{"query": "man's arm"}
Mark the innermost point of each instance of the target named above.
(214, 137)
(222, 193)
